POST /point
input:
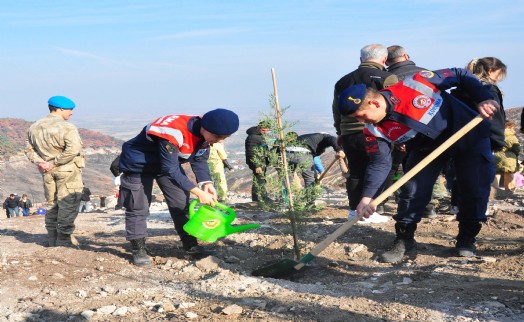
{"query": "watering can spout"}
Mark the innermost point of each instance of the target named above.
(239, 228)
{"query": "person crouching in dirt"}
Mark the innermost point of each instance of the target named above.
(419, 112)
(157, 154)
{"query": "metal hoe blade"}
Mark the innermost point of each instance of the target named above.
(281, 268)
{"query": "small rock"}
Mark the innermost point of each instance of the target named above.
(33, 278)
(259, 304)
(121, 311)
(191, 315)
(109, 289)
(355, 248)
(208, 264)
(185, 305)
(168, 307)
(81, 294)
(232, 309)
(58, 276)
(108, 309)
(405, 281)
(488, 259)
(87, 314)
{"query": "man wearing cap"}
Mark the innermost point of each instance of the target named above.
(55, 146)
(157, 153)
(419, 112)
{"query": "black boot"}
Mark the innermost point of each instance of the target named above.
(465, 245)
(65, 240)
(140, 257)
(51, 237)
(190, 245)
(404, 242)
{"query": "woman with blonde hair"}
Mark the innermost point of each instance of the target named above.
(490, 71)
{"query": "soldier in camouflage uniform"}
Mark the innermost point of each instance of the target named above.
(55, 146)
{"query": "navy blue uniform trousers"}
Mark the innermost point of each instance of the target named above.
(136, 193)
(474, 170)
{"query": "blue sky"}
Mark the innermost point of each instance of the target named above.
(159, 57)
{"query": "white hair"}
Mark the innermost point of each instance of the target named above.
(373, 51)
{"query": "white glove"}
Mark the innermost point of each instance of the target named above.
(116, 181)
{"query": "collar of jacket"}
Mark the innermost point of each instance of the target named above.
(401, 64)
(370, 64)
(194, 125)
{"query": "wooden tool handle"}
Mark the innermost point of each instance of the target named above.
(326, 171)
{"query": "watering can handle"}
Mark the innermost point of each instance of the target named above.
(217, 204)
(226, 208)
(192, 207)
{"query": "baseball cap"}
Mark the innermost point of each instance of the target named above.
(351, 99)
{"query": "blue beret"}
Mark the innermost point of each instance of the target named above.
(220, 122)
(351, 99)
(61, 102)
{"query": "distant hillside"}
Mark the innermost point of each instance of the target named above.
(13, 136)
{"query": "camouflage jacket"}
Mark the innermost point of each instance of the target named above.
(55, 140)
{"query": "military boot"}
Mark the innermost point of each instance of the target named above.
(465, 245)
(66, 240)
(140, 257)
(51, 237)
(404, 242)
(190, 245)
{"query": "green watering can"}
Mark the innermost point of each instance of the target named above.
(210, 224)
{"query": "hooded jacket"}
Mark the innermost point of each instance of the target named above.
(255, 141)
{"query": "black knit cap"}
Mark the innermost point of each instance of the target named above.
(220, 121)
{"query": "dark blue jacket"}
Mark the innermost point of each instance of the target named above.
(450, 116)
(154, 155)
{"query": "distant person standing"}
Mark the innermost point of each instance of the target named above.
(84, 200)
(256, 158)
(55, 146)
(25, 204)
(217, 164)
(372, 73)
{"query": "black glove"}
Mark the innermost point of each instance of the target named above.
(227, 164)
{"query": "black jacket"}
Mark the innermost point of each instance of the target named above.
(86, 193)
(318, 142)
(404, 69)
(114, 167)
(10, 203)
(372, 75)
(254, 141)
(498, 121)
(24, 204)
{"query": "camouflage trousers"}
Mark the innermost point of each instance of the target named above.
(63, 192)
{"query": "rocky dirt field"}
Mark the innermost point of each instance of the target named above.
(96, 281)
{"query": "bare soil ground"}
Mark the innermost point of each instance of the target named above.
(96, 281)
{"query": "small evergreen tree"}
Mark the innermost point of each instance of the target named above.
(295, 203)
